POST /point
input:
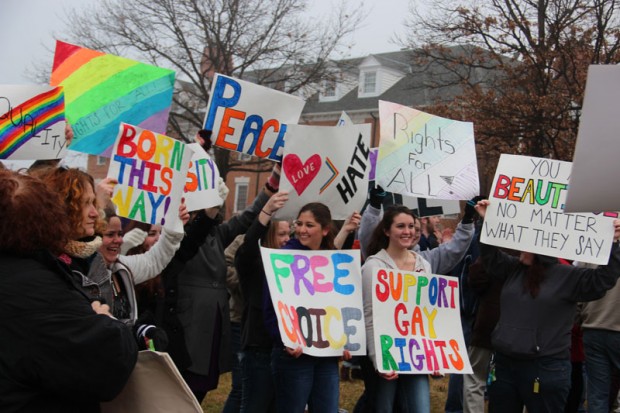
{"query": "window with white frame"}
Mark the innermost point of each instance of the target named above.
(101, 160)
(370, 82)
(241, 193)
(329, 89)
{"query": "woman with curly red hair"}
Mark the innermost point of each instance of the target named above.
(109, 280)
(58, 351)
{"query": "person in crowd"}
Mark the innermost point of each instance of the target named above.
(480, 350)
(532, 338)
(431, 235)
(59, 351)
(102, 274)
(301, 379)
(601, 341)
(197, 298)
(235, 304)
(258, 393)
(390, 247)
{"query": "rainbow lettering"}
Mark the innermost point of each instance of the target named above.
(24, 121)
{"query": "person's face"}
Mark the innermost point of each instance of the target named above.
(152, 237)
(112, 240)
(526, 258)
(433, 223)
(402, 232)
(308, 231)
(89, 213)
(418, 232)
(282, 233)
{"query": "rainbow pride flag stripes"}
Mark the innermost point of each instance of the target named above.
(103, 90)
(28, 119)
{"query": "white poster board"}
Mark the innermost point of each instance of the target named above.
(32, 122)
(317, 297)
(326, 164)
(249, 118)
(417, 323)
(151, 170)
(202, 179)
(595, 162)
(423, 155)
(526, 213)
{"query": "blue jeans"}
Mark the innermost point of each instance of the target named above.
(410, 392)
(305, 380)
(514, 385)
(258, 388)
(602, 348)
(233, 403)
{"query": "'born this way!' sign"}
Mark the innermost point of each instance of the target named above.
(526, 213)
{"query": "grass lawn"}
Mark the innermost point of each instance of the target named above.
(349, 393)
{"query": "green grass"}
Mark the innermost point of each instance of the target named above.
(350, 391)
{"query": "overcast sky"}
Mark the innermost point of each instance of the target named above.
(28, 27)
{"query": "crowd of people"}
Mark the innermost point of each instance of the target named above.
(82, 290)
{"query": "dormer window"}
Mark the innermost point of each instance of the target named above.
(329, 91)
(370, 83)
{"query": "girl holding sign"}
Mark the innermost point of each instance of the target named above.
(302, 379)
(532, 339)
(390, 247)
(258, 394)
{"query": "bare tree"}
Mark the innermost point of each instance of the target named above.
(273, 40)
(526, 65)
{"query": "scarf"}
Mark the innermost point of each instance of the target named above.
(83, 249)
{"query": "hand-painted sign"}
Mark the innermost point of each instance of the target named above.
(326, 164)
(151, 170)
(423, 155)
(526, 213)
(102, 90)
(596, 153)
(249, 118)
(417, 323)
(317, 297)
(32, 122)
(202, 179)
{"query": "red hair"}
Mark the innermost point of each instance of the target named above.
(32, 217)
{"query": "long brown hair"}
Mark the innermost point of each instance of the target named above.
(323, 216)
(379, 240)
(269, 239)
(535, 273)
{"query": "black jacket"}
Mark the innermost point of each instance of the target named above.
(56, 353)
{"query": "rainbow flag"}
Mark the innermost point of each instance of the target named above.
(30, 119)
(103, 90)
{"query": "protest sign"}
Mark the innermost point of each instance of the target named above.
(422, 207)
(427, 207)
(202, 179)
(325, 164)
(423, 155)
(317, 298)
(32, 122)
(151, 170)
(249, 118)
(102, 90)
(155, 386)
(417, 323)
(344, 119)
(526, 213)
(596, 152)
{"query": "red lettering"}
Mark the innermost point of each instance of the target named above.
(126, 146)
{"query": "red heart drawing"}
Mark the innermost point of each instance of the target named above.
(301, 174)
